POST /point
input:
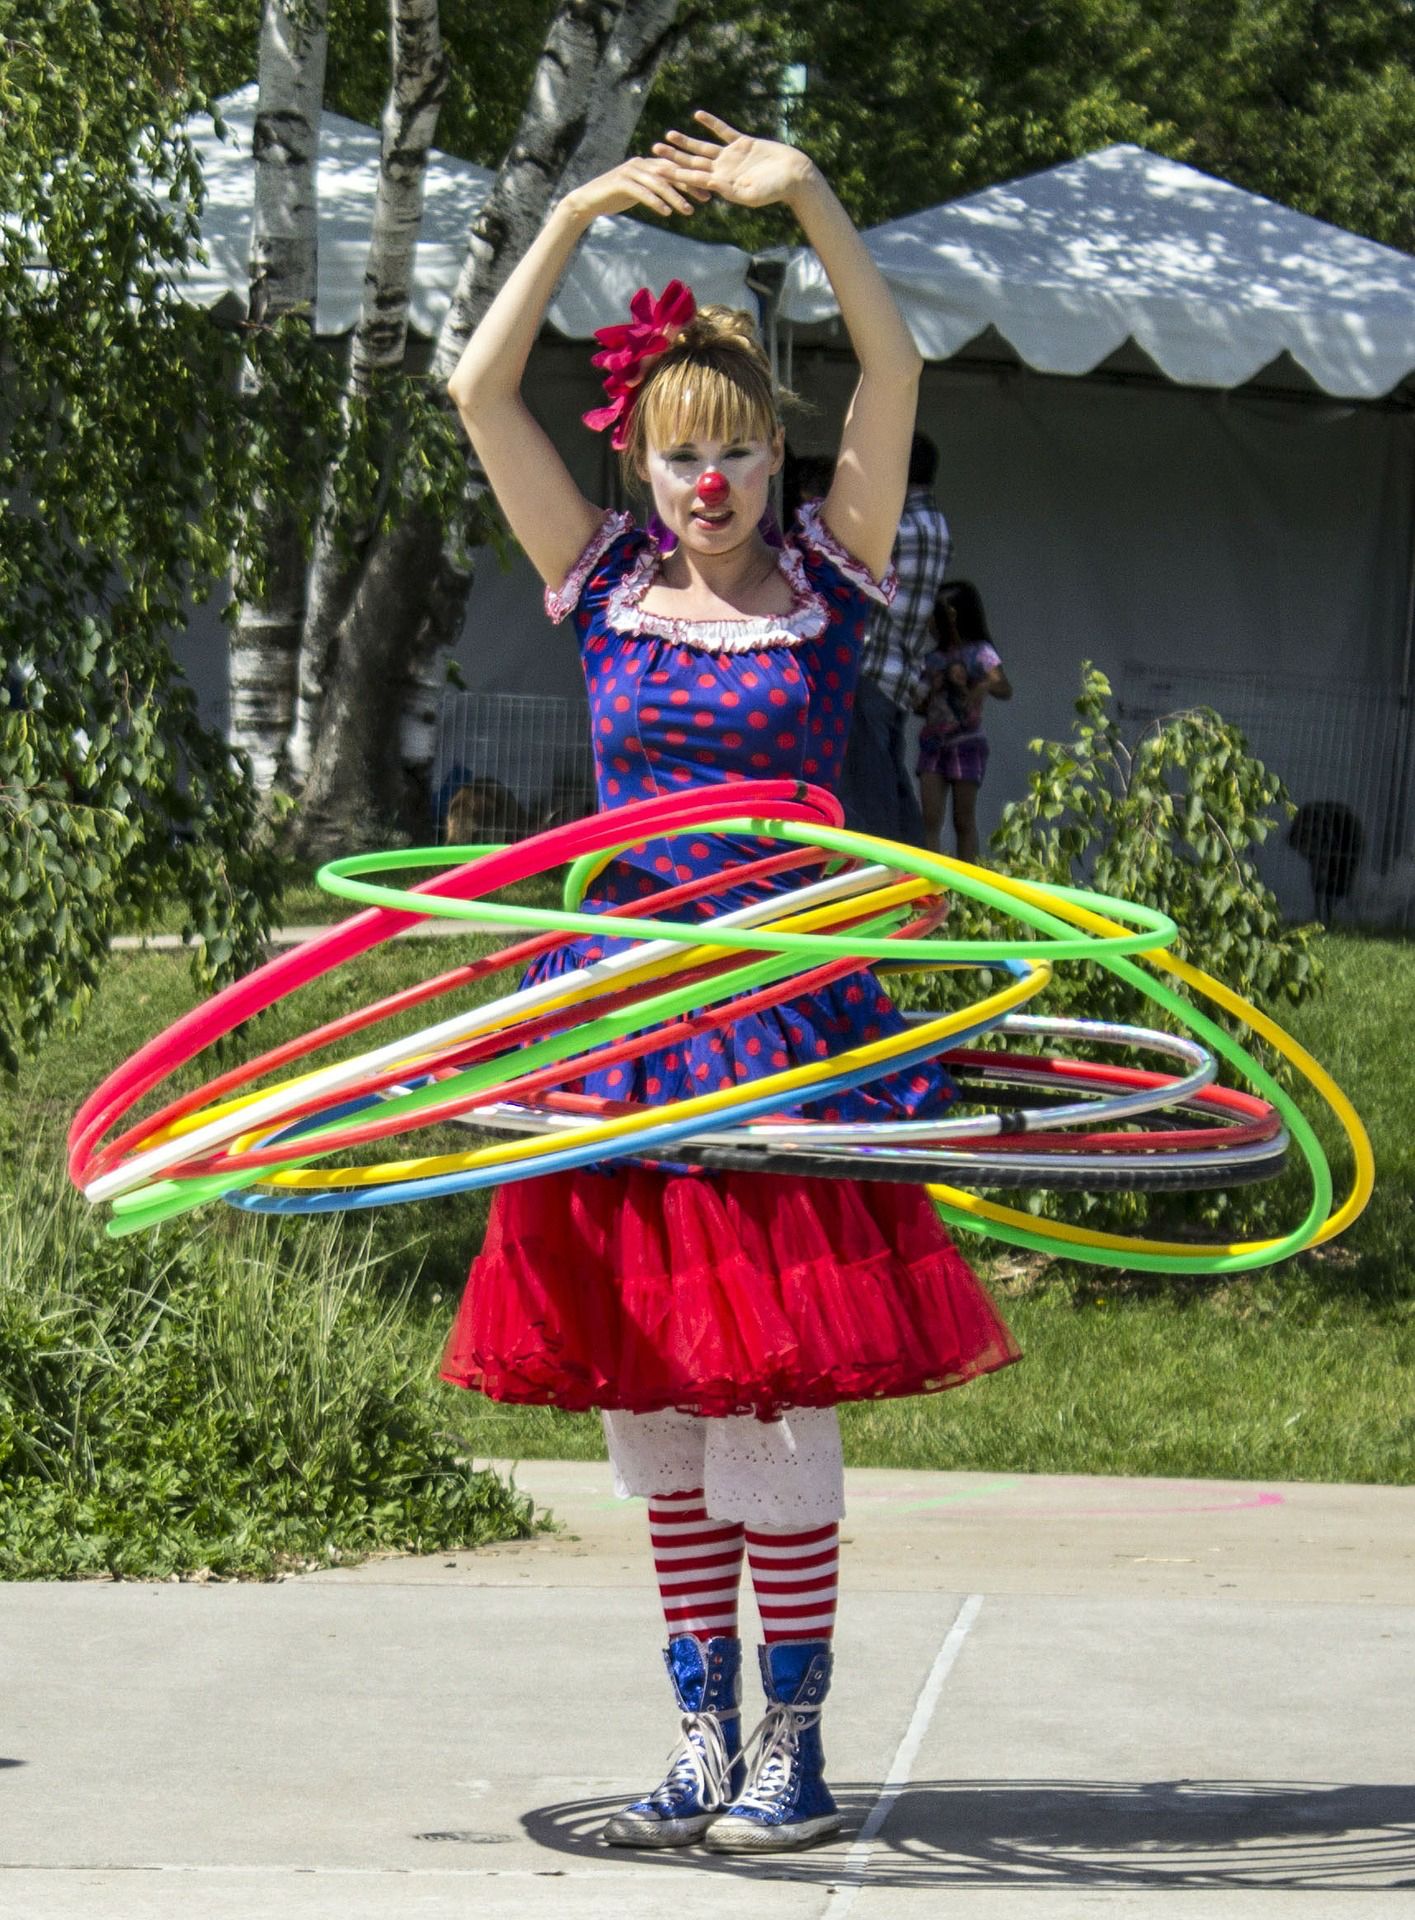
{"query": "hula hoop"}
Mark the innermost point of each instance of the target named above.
(901, 1149)
(1051, 909)
(1175, 1173)
(495, 867)
(458, 1057)
(1149, 1092)
(429, 897)
(459, 1173)
(257, 1147)
(194, 1134)
(340, 877)
(151, 1202)
(399, 1118)
(1260, 1123)
(1177, 1256)
(331, 1032)
(268, 1106)
(461, 1103)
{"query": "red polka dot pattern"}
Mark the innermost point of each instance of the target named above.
(665, 716)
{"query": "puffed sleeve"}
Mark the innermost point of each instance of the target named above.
(813, 537)
(615, 531)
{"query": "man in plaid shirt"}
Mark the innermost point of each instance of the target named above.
(876, 787)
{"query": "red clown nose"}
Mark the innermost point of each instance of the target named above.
(712, 488)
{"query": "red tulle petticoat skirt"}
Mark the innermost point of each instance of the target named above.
(719, 1294)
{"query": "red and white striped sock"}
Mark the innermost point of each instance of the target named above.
(699, 1565)
(794, 1577)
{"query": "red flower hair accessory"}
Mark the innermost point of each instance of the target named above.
(627, 350)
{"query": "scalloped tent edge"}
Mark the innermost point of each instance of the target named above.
(1211, 282)
(618, 256)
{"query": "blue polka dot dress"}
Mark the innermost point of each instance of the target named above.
(644, 1287)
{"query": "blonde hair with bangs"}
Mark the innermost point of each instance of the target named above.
(714, 383)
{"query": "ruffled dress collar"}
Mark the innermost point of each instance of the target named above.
(808, 618)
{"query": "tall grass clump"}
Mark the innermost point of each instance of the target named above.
(237, 1400)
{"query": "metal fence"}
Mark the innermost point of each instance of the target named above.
(510, 764)
(1345, 754)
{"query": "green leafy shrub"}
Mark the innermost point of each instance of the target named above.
(236, 1401)
(1169, 823)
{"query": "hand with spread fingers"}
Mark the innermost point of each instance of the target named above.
(735, 166)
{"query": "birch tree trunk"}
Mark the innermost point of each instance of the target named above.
(284, 260)
(642, 40)
(373, 757)
(418, 82)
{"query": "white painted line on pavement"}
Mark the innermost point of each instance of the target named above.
(854, 1876)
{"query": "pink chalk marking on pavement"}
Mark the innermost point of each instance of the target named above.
(1217, 1506)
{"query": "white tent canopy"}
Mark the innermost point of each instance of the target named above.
(1212, 282)
(618, 255)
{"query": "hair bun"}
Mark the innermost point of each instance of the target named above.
(721, 327)
(715, 381)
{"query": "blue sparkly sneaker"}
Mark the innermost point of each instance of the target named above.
(705, 1770)
(786, 1802)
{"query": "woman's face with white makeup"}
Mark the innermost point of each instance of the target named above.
(704, 516)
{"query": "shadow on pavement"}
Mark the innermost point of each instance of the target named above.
(1307, 1836)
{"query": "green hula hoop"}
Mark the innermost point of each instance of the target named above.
(1157, 929)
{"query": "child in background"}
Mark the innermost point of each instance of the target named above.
(953, 749)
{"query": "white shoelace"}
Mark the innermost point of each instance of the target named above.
(772, 1754)
(698, 1766)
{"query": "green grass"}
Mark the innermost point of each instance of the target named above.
(237, 1404)
(1274, 1382)
(243, 1393)
(1194, 1389)
(233, 1394)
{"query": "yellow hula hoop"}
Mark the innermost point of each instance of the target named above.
(1283, 1043)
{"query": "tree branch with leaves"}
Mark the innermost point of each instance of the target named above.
(123, 477)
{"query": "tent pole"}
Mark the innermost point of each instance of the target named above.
(766, 278)
(1398, 810)
(1407, 658)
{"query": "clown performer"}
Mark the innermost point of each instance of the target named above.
(718, 1319)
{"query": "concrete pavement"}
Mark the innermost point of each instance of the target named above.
(1055, 1698)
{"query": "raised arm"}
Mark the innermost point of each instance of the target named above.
(863, 506)
(543, 506)
(866, 498)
